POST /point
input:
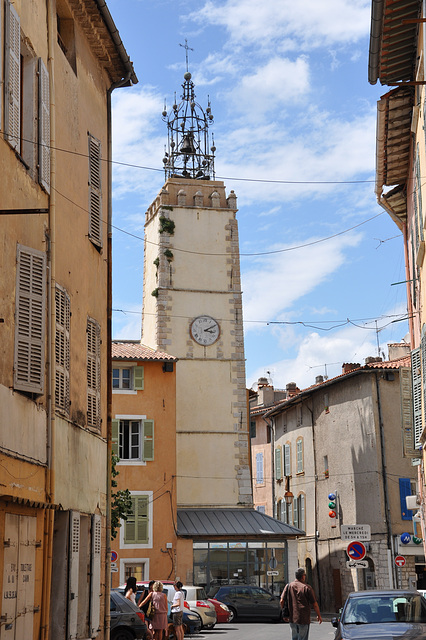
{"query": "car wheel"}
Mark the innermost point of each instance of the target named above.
(233, 616)
(122, 634)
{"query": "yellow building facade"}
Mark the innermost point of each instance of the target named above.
(62, 58)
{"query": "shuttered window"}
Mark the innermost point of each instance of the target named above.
(93, 373)
(287, 460)
(133, 440)
(62, 349)
(136, 527)
(416, 372)
(95, 191)
(278, 464)
(30, 312)
(259, 467)
(299, 455)
(43, 126)
(12, 112)
(406, 394)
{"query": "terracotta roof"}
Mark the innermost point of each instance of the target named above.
(133, 350)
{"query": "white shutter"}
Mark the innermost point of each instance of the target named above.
(73, 558)
(95, 191)
(287, 460)
(95, 583)
(62, 349)
(416, 372)
(409, 450)
(43, 126)
(12, 112)
(93, 373)
(30, 315)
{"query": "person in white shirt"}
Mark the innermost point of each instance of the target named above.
(177, 610)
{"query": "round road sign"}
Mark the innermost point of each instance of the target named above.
(400, 561)
(356, 550)
(114, 556)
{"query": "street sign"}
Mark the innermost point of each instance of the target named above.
(272, 573)
(114, 556)
(114, 570)
(113, 565)
(356, 550)
(400, 561)
(357, 564)
(355, 532)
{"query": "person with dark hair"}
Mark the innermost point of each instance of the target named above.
(159, 600)
(299, 598)
(177, 610)
(130, 590)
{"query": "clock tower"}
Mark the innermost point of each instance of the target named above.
(192, 309)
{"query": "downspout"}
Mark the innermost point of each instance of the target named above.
(271, 426)
(317, 564)
(385, 480)
(51, 264)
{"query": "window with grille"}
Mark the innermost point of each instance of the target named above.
(62, 350)
(93, 373)
(95, 191)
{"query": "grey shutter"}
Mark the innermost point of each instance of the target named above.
(287, 460)
(95, 582)
(30, 315)
(62, 349)
(299, 456)
(93, 373)
(95, 191)
(302, 512)
(138, 378)
(12, 112)
(115, 434)
(148, 440)
(43, 126)
(278, 464)
(73, 558)
(416, 372)
(409, 450)
(142, 530)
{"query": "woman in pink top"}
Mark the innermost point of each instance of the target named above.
(159, 600)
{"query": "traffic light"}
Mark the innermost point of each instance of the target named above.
(332, 505)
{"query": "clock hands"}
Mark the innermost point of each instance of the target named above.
(209, 329)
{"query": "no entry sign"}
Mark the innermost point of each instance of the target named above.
(400, 561)
(356, 550)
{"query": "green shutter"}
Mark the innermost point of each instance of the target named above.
(148, 440)
(115, 429)
(142, 519)
(130, 524)
(138, 378)
(287, 460)
(278, 464)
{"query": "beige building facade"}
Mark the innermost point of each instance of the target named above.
(61, 60)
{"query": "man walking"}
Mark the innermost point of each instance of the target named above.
(299, 597)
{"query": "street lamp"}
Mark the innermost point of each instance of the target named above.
(288, 497)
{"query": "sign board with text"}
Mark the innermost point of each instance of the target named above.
(272, 573)
(357, 564)
(355, 532)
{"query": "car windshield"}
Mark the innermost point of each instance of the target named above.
(383, 608)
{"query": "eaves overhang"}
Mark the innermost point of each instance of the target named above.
(393, 40)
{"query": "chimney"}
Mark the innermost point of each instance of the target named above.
(265, 393)
(372, 359)
(319, 379)
(398, 350)
(349, 366)
(292, 389)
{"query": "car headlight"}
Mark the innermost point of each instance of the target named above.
(223, 606)
(192, 617)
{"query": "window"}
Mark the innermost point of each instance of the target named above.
(326, 403)
(95, 191)
(128, 378)
(287, 460)
(66, 37)
(136, 530)
(252, 429)
(280, 510)
(30, 312)
(133, 438)
(259, 468)
(62, 350)
(299, 455)
(299, 415)
(287, 510)
(278, 464)
(93, 373)
(261, 508)
(299, 512)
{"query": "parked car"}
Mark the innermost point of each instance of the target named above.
(369, 615)
(222, 611)
(246, 601)
(192, 622)
(198, 602)
(127, 621)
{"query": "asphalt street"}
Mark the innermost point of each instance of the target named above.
(263, 631)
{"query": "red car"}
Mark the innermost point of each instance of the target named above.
(222, 612)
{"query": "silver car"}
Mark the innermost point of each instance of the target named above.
(196, 597)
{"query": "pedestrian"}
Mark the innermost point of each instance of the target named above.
(299, 598)
(146, 608)
(177, 610)
(130, 590)
(159, 600)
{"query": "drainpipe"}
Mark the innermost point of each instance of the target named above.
(317, 564)
(271, 426)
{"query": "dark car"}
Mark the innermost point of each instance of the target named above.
(382, 615)
(127, 621)
(246, 601)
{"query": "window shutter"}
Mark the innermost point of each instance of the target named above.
(95, 191)
(252, 428)
(138, 376)
(30, 315)
(95, 582)
(62, 349)
(278, 464)
(93, 373)
(409, 450)
(148, 440)
(404, 491)
(142, 521)
(302, 511)
(299, 455)
(43, 126)
(12, 112)
(130, 524)
(287, 460)
(115, 429)
(259, 467)
(74, 555)
(416, 372)
(419, 192)
(295, 513)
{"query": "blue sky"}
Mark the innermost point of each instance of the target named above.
(291, 102)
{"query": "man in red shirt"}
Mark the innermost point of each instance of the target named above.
(300, 598)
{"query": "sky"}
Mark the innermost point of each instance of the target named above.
(294, 127)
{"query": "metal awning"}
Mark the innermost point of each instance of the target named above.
(232, 523)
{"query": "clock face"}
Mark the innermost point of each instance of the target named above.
(204, 330)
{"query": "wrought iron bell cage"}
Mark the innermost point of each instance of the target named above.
(188, 153)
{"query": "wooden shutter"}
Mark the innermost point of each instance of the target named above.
(295, 513)
(115, 429)
(299, 456)
(43, 126)
(95, 191)
(138, 378)
(62, 349)
(278, 464)
(30, 315)
(302, 512)
(136, 527)
(93, 373)
(416, 372)
(148, 440)
(95, 582)
(259, 467)
(130, 524)
(74, 559)
(406, 393)
(287, 460)
(12, 112)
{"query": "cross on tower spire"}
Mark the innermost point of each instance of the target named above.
(185, 46)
